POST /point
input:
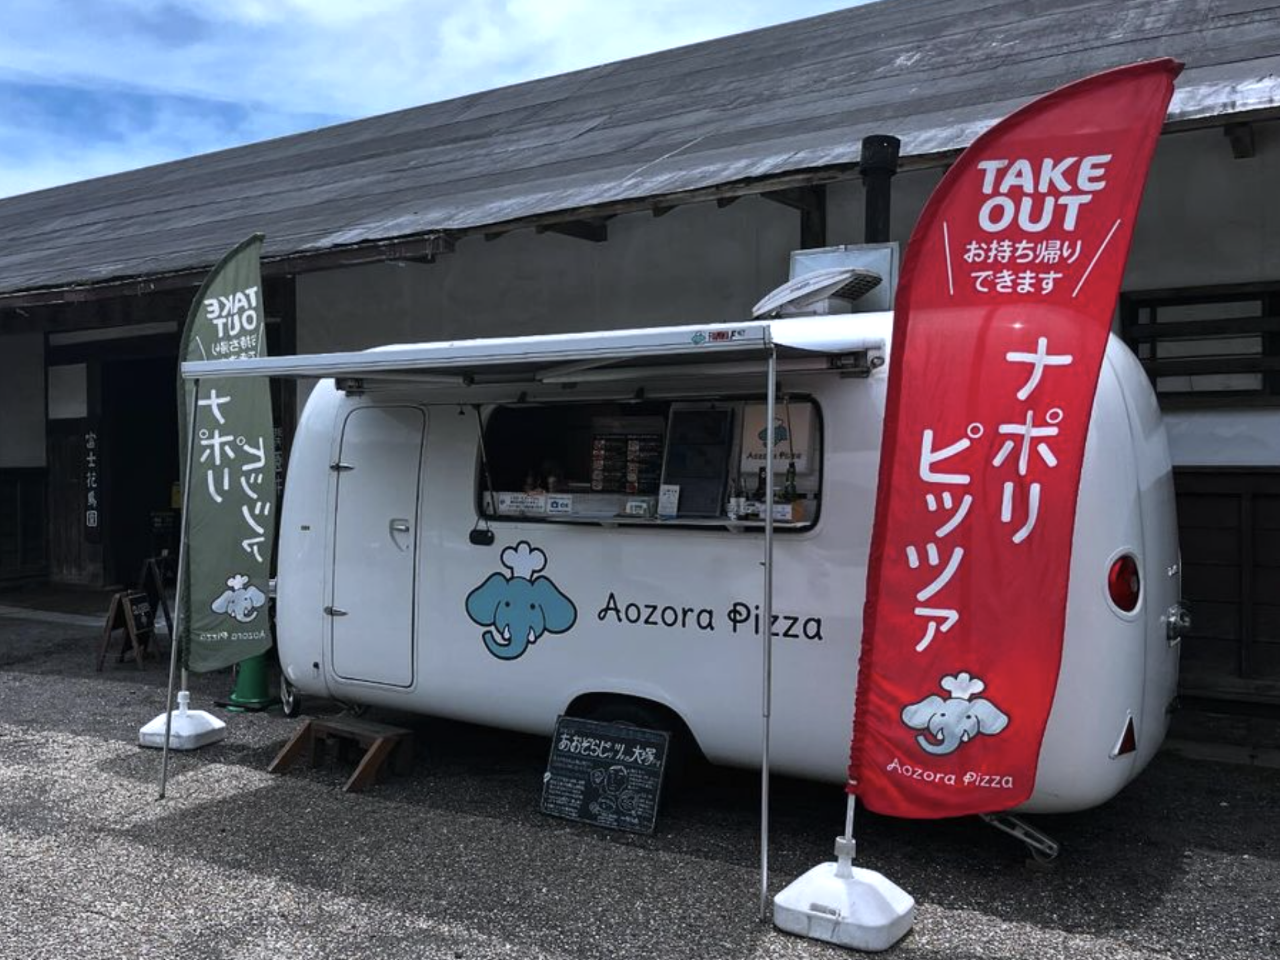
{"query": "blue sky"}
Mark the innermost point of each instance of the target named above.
(93, 87)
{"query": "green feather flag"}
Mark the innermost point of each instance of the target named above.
(229, 461)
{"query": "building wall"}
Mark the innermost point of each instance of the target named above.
(22, 455)
(22, 400)
(697, 263)
(1209, 219)
(1206, 219)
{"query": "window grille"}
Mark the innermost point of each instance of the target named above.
(1207, 347)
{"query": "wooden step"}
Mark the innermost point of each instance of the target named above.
(380, 742)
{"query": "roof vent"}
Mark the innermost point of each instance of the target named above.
(832, 290)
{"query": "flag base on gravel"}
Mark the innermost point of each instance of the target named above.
(189, 729)
(847, 906)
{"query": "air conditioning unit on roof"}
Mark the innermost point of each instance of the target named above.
(857, 278)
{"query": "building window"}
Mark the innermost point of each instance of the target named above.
(1208, 346)
(684, 463)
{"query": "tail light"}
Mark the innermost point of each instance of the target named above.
(1123, 583)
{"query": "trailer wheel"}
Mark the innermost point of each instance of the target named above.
(681, 748)
(290, 699)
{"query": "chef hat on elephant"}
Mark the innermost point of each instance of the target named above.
(523, 560)
(963, 686)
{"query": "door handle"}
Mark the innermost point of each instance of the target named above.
(397, 528)
(335, 612)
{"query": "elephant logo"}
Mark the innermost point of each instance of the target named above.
(780, 432)
(953, 722)
(241, 600)
(521, 607)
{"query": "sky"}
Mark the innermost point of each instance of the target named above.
(93, 87)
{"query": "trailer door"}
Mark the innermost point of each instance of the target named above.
(376, 544)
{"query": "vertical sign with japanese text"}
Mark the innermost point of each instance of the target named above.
(92, 483)
(1003, 313)
(230, 490)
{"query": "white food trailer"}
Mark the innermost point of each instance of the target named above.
(506, 530)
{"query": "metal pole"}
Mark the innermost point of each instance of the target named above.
(179, 619)
(766, 631)
(845, 846)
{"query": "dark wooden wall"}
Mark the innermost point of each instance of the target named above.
(22, 518)
(1229, 524)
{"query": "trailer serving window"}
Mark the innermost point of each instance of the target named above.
(688, 462)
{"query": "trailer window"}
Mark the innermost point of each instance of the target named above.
(684, 463)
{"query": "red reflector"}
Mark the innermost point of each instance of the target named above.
(1123, 583)
(1129, 741)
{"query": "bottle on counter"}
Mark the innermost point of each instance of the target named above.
(789, 492)
(759, 493)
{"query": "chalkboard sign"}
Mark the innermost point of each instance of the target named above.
(130, 611)
(608, 774)
(151, 584)
(140, 613)
(697, 460)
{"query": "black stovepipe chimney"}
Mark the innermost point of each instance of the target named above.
(878, 165)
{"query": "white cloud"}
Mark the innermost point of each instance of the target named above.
(284, 65)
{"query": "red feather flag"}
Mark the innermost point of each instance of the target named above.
(1003, 312)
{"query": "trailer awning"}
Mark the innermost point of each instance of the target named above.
(846, 343)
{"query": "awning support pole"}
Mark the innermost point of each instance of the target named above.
(766, 629)
(179, 616)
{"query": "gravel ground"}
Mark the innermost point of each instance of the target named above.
(455, 861)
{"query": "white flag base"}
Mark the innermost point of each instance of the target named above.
(847, 906)
(189, 729)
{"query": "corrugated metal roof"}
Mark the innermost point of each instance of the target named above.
(759, 105)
